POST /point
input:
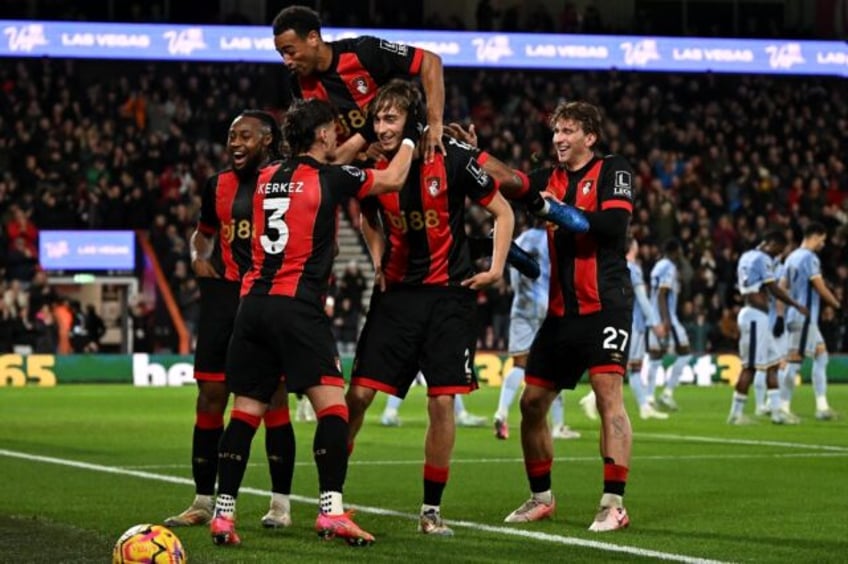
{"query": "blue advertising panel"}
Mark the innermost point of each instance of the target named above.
(86, 250)
(457, 48)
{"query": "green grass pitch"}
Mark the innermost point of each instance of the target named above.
(81, 463)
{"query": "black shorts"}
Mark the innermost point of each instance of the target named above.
(219, 301)
(418, 328)
(276, 335)
(565, 347)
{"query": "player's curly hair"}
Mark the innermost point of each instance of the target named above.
(301, 121)
(587, 115)
(275, 149)
(298, 18)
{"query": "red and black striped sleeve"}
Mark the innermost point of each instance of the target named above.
(615, 198)
(386, 60)
(539, 180)
(616, 189)
(465, 171)
(349, 181)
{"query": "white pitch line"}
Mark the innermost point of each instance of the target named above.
(746, 442)
(520, 460)
(545, 537)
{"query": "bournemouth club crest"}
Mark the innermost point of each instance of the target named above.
(587, 187)
(360, 84)
(433, 186)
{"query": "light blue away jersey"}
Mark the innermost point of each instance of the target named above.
(664, 275)
(641, 316)
(802, 265)
(531, 296)
(755, 269)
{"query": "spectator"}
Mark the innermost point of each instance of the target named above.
(486, 15)
(346, 325)
(728, 331)
(7, 328)
(46, 331)
(188, 297)
(352, 285)
(21, 262)
(94, 326)
(78, 334)
(142, 325)
(14, 296)
(830, 326)
(40, 292)
(20, 227)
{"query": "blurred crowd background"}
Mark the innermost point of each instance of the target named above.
(718, 159)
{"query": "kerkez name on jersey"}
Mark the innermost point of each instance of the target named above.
(280, 188)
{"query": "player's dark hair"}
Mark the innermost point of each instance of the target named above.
(775, 236)
(671, 246)
(815, 228)
(275, 149)
(586, 114)
(397, 93)
(301, 121)
(298, 18)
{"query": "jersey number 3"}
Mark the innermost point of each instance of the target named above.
(275, 222)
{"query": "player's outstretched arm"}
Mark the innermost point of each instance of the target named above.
(391, 178)
(346, 153)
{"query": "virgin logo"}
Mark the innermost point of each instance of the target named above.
(25, 38)
(183, 42)
(640, 53)
(784, 56)
(491, 50)
(57, 250)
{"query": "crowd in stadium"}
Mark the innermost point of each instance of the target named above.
(718, 159)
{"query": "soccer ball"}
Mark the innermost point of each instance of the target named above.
(148, 544)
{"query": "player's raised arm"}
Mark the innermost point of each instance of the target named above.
(433, 80)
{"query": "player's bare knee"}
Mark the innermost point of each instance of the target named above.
(440, 407)
(534, 408)
(359, 398)
(212, 397)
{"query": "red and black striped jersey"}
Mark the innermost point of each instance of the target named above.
(226, 211)
(589, 270)
(359, 67)
(294, 217)
(425, 222)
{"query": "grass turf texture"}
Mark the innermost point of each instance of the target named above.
(698, 488)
